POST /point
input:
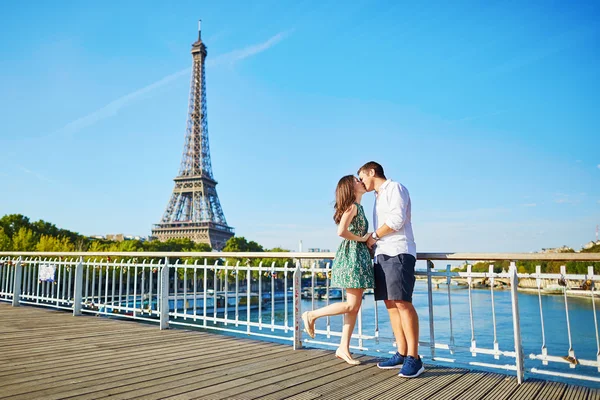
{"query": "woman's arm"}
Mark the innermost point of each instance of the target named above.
(347, 217)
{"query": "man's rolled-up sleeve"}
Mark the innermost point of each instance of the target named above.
(397, 201)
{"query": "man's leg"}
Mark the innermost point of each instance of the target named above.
(397, 328)
(410, 327)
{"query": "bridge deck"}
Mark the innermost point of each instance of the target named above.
(47, 354)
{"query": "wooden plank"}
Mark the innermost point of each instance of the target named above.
(412, 389)
(127, 383)
(503, 390)
(73, 358)
(594, 394)
(552, 390)
(266, 378)
(318, 379)
(292, 384)
(391, 382)
(484, 386)
(367, 370)
(527, 391)
(576, 393)
(238, 374)
(160, 388)
(349, 388)
(458, 387)
(121, 342)
(123, 371)
(70, 360)
(122, 360)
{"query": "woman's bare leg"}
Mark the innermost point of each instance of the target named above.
(354, 301)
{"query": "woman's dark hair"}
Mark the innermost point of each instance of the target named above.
(344, 197)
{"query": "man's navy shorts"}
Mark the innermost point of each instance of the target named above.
(395, 277)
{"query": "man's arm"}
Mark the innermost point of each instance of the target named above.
(397, 201)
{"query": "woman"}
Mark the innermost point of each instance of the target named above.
(352, 267)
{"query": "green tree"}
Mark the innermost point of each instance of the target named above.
(24, 240)
(202, 247)
(279, 262)
(5, 242)
(130, 245)
(239, 244)
(12, 223)
(51, 243)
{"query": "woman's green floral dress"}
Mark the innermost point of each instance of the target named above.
(353, 267)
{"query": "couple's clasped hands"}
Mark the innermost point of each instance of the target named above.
(368, 238)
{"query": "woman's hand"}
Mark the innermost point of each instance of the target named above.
(365, 237)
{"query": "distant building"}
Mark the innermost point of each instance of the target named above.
(563, 249)
(119, 237)
(591, 244)
(321, 263)
(317, 250)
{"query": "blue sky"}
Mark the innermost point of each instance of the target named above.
(486, 111)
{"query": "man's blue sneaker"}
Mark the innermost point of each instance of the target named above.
(394, 361)
(412, 367)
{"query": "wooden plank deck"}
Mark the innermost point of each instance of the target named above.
(48, 354)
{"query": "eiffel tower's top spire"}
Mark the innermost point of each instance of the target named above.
(198, 46)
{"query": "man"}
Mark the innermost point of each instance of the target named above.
(395, 258)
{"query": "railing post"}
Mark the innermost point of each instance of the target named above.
(297, 307)
(17, 283)
(514, 283)
(430, 268)
(164, 295)
(78, 290)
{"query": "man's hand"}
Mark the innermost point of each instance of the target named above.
(371, 242)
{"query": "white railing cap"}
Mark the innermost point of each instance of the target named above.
(320, 256)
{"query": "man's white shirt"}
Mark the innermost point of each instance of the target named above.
(392, 207)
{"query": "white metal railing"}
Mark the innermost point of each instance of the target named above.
(203, 290)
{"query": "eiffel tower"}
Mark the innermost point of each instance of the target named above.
(194, 210)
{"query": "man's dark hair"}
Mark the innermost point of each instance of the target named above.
(374, 166)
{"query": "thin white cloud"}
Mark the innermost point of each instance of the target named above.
(530, 205)
(549, 47)
(563, 198)
(37, 175)
(477, 214)
(112, 108)
(598, 166)
(238, 55)
(473, 117)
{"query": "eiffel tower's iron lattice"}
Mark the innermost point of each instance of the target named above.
(194, 210)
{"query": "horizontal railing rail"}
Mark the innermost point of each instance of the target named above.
(324, 255)
(241, 293)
